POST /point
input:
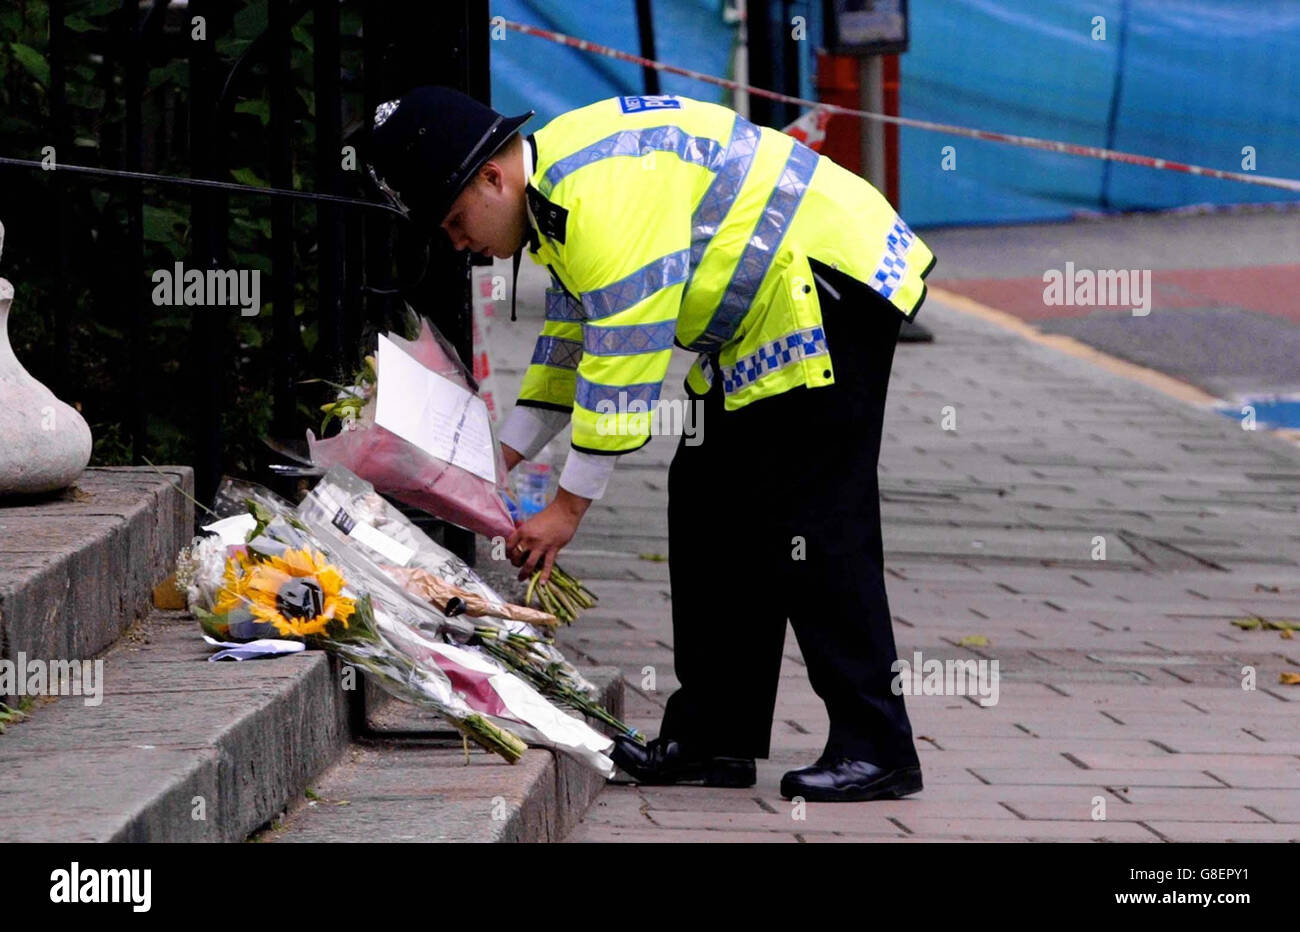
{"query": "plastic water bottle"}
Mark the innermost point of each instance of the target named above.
(535, 481)
(532, 482)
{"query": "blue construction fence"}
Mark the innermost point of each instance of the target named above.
(1210, 82)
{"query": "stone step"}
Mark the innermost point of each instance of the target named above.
(172, 747)
(425, 788)
(166, 746)
(78, 568)
(155, 743)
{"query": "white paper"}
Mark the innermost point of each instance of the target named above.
(435, 414)
(233, 531)
(391, 550)
(251, 650)
(559, 729)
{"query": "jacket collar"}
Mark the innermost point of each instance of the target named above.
(534, 243)
(530, 163)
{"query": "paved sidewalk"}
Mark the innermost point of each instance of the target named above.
(1222, 312)
(1120, 679)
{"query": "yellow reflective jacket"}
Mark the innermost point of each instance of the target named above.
(666, 220)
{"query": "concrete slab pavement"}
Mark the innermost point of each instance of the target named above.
(1222, 311)
(1121, 678)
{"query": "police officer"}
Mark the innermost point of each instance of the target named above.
(666, 221)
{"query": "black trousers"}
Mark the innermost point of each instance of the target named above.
(776, 516)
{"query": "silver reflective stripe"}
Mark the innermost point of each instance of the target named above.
(893, 264)
(661, 273)
(591, 394)
(557, 351)
(637, 142)
(754, 262)
(717, 200)
(790, 349)
(629, 340)
(559, 306)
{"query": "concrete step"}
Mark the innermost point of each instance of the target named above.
(78, 568)
(155, 743)
(424, 787)
(169, 747)
(177, 748)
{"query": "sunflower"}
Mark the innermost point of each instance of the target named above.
(298, 592)
(234, 584)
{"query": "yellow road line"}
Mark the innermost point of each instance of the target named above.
(1166, 384)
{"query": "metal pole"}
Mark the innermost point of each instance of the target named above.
(284, 327)
(871, 96)
(741, 61)
(329, 144)
(645, 27)
(133, 270)
(378, 229)
(790, 55)
(759, 25)
(206, 341)
(60, 132)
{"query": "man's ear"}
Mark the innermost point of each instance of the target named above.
(492, 174)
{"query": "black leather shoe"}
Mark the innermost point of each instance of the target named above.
(912, 332)
(838, 779)
(663, 762)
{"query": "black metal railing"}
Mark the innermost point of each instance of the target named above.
(351, 284)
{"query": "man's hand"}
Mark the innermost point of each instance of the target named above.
(512, 456)
(535, 543)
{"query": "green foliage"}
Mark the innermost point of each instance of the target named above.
(95, 289)
(33, 61)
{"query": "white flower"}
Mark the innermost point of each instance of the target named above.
(199, 569)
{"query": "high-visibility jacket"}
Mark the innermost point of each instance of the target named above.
(665, 220)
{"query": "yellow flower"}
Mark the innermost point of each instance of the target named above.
(234, 584)
(298, 592)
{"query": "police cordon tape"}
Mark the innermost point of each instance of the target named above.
(1028, 142)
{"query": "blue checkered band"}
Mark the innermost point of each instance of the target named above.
(559, 306)
(717, 200)
(636, 143)
(706, 370)
(630, 340)
(590, 395)
(556, 351)
(661, 273)
(790, 349)
(893, 264)
(763, 244)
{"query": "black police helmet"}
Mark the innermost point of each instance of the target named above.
(428, 145)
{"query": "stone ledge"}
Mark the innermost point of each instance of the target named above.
(172, 729)
(77, 568)
(425, 790)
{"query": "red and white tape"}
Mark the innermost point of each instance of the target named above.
(1027, 142)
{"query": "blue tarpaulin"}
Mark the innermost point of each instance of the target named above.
(1188, 80)
(529, 73)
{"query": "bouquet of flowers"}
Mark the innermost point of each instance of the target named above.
(420, 433)
(415, 427)
(346, 510)
(273, 577)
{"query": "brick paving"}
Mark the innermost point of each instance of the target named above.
(1120, 679)
(1270, 289)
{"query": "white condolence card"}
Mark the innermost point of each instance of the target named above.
(443, 419)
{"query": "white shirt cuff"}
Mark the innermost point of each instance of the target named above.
(528, 429)
(587, 474)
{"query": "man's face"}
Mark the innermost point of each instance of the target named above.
(489, 215)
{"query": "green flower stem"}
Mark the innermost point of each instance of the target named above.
(553, 686)
(491, 737)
